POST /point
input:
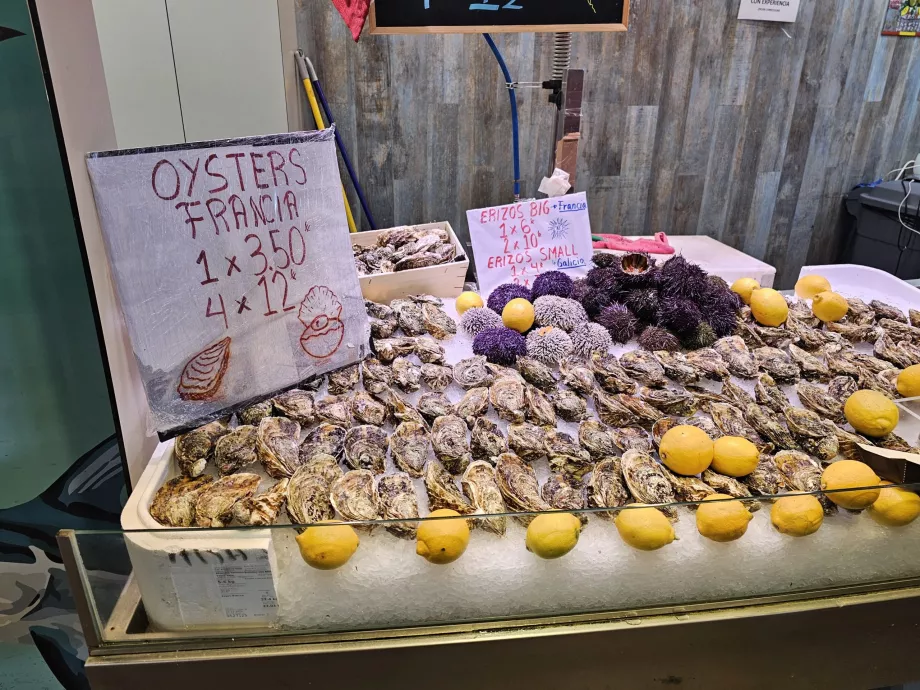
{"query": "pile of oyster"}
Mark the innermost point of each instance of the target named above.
(401, 249)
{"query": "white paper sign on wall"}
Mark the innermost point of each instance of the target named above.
(769, 10)
(518, 242)
(233, 266)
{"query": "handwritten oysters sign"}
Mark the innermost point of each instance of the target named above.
(233, 267)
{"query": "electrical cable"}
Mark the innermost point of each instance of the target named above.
(909, 189)
(515, 143)
(900, 171)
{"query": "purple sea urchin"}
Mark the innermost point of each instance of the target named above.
(559, 312)
(655, 339)
(595, 301)
(504, 293)
(723, 321)
(549, 345)
(702, 337)
(552, 283)
(580, 288)
(604, 259)
(643, 303)
(680, 278)
(680, 315)
(604, 278)
(474, 321)
(619, 322)
(589, 338)
(500, 345)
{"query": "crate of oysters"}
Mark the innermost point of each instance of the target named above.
(410, 260)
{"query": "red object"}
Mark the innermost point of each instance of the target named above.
(659, 245)
(354, 12)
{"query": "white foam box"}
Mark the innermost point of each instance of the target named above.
(443, 280)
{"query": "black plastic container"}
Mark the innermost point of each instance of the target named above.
(876, 237)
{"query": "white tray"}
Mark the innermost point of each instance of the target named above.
(852, 280)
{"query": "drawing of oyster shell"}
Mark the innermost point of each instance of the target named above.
(647, 482)
(472, 405)
(409, 445)
(437, 377)
(472, 373)
(678, 368)
(566, 456)
(570, 406)
(437, 322)
(193, 449)
(606, 488)
(596, 438)
(766, 479)
(448, 438)
(308, 491)
(669, 400)
(354, 497)
(507, 397)
(204, 372)
(770, 427)
(366, 448)
(769, 394)
(538, 409)
(710, 363)
(383, 319)
(264, 508)
(325, 439)
(643, 367)
(730, 487)
(560, 494)
(442, 491)
(214, 507)
(255, 413)
(277, 445)
(526, 440)
(397, 501)
(366, 410)
(687, 488)
(480, 487)
(537, 373)
(818, 400)
(612, 377)
(519, 487)
(803, 473)
(389, 349)
(777, 363)
(631, 438)
(434, 405)
(320, 313)
(295, 404)
(577, 375)
(429, 351)
(737, 356)
(487, 441)
(334, 409)
(173, 504)
(236, 450)
(406, 375)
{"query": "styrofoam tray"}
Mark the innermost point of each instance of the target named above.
(852, 280)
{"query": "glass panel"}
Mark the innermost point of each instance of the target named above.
(254, 581)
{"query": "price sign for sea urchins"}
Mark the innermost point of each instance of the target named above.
(233, 268)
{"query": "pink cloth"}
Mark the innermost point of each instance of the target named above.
(659, 245)
(354, 12)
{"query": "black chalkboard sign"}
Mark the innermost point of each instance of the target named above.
(497, 16)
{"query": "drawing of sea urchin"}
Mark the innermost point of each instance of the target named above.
(559, 228)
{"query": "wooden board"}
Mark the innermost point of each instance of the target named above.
(496, 16)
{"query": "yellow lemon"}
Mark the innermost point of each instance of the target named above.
(327, 546)
(553, 535)
(797, 515)
(744, 287)
(442, 541)
(518, 315)
(909, 382)
(769, 307)
(686, 450)
(871, 413)
(809, 286)
(895, 506)
(734, 456)
(844, 474)
(644, 527)
(723, 520)
(829, 306)
(468, 300)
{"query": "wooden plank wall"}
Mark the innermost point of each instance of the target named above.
(694, 122)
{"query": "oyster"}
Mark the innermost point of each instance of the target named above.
(353, 496)
(383, 319)
(706, 424)
(324, 466)
(173, 504)
(803, 473)
(559, 494)
(537, 408)
(842, 362)
(406, 375)
(434, 405)
(255, 413)
(777, 363)
(335, 409)
(308, 491)
(437, 377)
(312, 384)
(735, 394)
(887, 349)
(894, 442)
(643, 414)
(800, 311)
(730, 487)
(577, 375)
(631, 438)
(884, 383)
(526, 440)
(811, 367)
(669, 400)
(731, 422)
(570, 406)
(388, 349)
(399, 409)
(677, 367)
(597, 439)
(277, 445)
(344, 380)
(500, 372)
(818, 400)
(487, 441)
(409, 446)
(612, 377)
(396, 500)
(437, 322)
(854, 332)
(769, 394)
(710, 363)
(766, 479)
(518, 484)
(214, 506)
(537, 373)
(900, 331)
(326, 439)
(264, 508)
(815, 435)
(770, 427)
(409, 315)
(507, 397)
(914, 317)
(810, 338)
(295, 404)
(566, 456)
(848, 443)
(472, 373)
(745, 330)
(606, 488)
(859, 311)
(663, 426)
(909, 351)
(643, 367)
(474, 404)
(366, 448)
(376, 376)
(442, 492)
(737, 356)
(613, 412)
(192, 450)
(366, 410)
(886, 311)
(773, 337)
(687, 488)
(706, 397)
(448, 437)
(429, 351)
(647, 482)
(236, 450)
(480, 487)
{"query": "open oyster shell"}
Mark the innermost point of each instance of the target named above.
(487, 441)
(325, 439)
(214, 507)
(236, 450)
(606, 488)
(560, 494)
(472, 373)
(448, 437)
(409, 447)
(295, 404)
(479, 485)
(396, 500)
(264, 508)
(519, 487)
(193, 449)
(173, 504)
(507, 397)
(334, 409)
(442, 491)
(354, 496)
(647, 482)
(366, 448)
(526, 440)
(278, 446)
